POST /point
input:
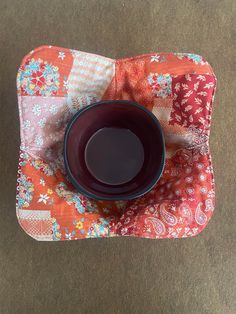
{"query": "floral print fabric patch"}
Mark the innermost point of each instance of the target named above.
(39, 78)
(53, 83)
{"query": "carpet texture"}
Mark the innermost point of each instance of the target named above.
(120, 275)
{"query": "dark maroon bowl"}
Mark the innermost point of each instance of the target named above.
(114, 150)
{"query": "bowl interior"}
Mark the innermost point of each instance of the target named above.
(140, 128)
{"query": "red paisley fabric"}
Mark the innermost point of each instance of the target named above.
(53, 83)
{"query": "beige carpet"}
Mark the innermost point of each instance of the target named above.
(124, 275)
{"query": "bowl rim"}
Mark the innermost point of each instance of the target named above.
(88, 194)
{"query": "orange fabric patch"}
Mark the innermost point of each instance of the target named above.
(53, 83)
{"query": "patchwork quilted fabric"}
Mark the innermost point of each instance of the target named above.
(54, 83)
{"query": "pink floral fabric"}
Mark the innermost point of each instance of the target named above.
(53, 83)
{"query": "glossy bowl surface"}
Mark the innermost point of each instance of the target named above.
(114, 150)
